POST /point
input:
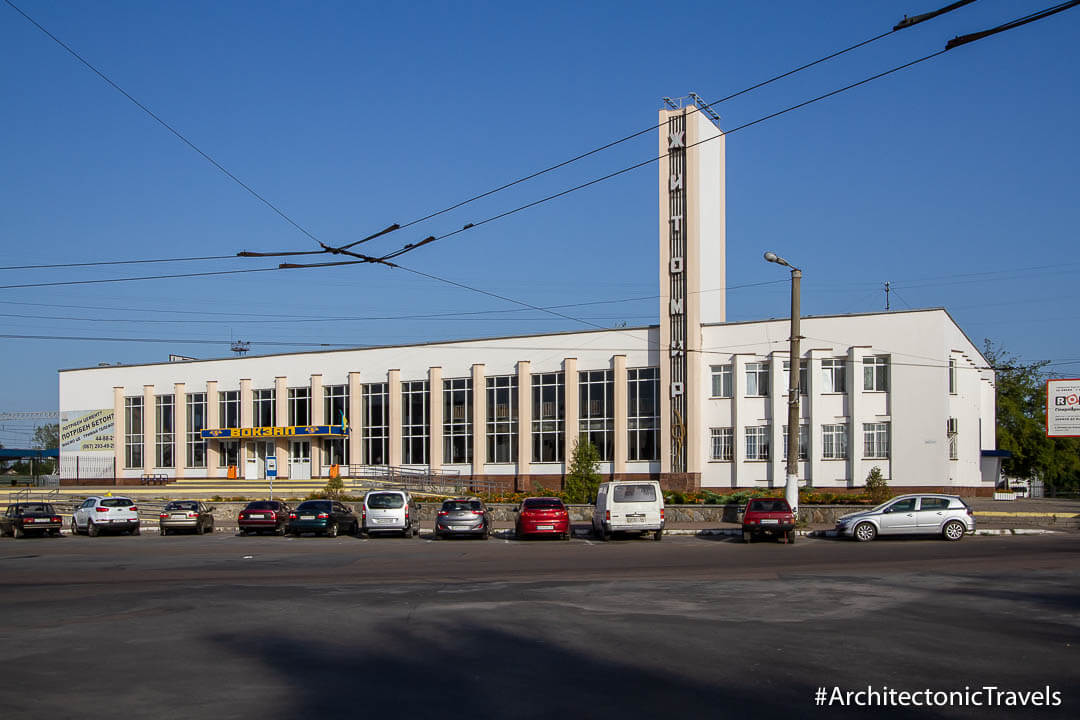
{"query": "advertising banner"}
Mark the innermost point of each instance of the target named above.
(86, 431)
(1063, 408)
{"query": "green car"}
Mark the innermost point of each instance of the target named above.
(323, 517)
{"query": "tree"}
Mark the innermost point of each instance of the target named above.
(584, 475)
(47, 437)
(1021, 423)
(877, 486)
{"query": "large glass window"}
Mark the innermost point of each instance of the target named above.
(548, 416)
(229, 408)
(803, 384)
(596, 392)
(721, 381)
(335, 412)
(375, 431)
(757, 443)
(415, 422)
(300, 406)
(164, 431)
(722, 443)
(230, 454)
(757, 379)
(502, 418)
(875, 373)
(196, 422)
(264, 408)
(643, 413)
(833, 375)
(133, 432)
(834, 441)
(457, 420)
(876, 440)
(804, 441)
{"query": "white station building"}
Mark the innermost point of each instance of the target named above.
(695, 402)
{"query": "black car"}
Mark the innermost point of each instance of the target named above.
(30, 518)
(323, 517)
(463, 516)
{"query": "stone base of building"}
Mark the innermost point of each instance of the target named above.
(894, 490)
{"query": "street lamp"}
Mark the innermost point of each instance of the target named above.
(791, 485)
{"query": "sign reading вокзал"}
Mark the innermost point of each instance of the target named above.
(1063, 408)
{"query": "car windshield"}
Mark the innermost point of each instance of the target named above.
(263, 505)
(635, 493)
(543, 504)
(182, 505)
(36, 508)
(768, 506)
(116, 502)
(315, 506)
(462, 505)
(385, 501)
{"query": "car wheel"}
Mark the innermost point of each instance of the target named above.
(789, 537)
(865, 532)
(74, 527)
(605, 533)
(136, 531)
(416, 531)
(54, 533)
(92, 529)
(163, 532)
(280, 531)
(747, 537)
(17, 532)
(331, 530)
(658, 535)
(484, 534)
(953, 530)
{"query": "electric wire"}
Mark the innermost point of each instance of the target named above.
(116, 262)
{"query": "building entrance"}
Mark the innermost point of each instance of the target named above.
(300, 460)
(255, 463)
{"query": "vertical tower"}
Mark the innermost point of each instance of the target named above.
(692, 279)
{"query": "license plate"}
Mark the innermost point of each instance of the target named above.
(635, 519)
(256, 517)
(383, 520)
(460, 527)
(121, 520)
(770, 521)
(545, 527)
(307, 517)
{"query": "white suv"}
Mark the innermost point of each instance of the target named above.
(98, 514)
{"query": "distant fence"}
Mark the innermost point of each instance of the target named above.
(82, 467)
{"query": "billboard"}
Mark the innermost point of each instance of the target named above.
(1063, 408)
(86, 431)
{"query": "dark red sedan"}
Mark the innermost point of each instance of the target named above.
(263, 516)
(542, 516)
(768, 517)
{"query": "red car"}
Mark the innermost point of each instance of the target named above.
(260, 515)
(542, 516)
(768, 516)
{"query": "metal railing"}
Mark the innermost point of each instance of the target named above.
(441, 482)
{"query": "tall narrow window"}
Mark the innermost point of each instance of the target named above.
(548, 416)
(876, 440)
(264, 408)
(457, 420)
(834, 441)
(757, 379)
(415, 422)
(952, 437)
(596, 392)
(196, 421)
(721, 381)
(722, 443)
(502, 418)
(133, 432)
(757, 443)
(952, 376)
(165, 431)
(833, 375)
(375, 432)
(875, 373)
(643, 413)
(804, 441)
(229, 408)
(300, 406)
(336, 412)
(803, 377)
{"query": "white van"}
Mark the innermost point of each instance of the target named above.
(629, 506)
(390, 511)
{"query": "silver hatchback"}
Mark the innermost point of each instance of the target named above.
(916, 514)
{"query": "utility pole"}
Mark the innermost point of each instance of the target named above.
(791, 484)
(886, 294)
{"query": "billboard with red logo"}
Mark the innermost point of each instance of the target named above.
(1063, 408)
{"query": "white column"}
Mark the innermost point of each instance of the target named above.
(179, 428)
(435, 417)
(622, 429)
(149, 428)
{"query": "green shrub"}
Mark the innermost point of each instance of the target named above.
(876, 485)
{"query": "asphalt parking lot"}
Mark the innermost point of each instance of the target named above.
(230, 626)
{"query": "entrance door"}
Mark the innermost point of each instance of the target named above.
(255, 463)
(300, 460)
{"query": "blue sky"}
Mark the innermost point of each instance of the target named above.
(955, 180)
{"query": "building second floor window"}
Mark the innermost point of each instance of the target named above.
(264, 408)
(457, 420)
(952, 376)
(196, 421)
(875, 373)
(502, 418)
(596, 420)
(757, 379)
(300, 406)
(415, 422)
(803, 377)
(164, 431)
(834, 375)
(548, 416)
(133, 432)
(375, 425)
(721, 381)
(643, 413)
(229, 409)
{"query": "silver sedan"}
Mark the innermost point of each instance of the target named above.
(917, 514)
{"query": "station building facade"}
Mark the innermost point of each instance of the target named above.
(694, 401)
